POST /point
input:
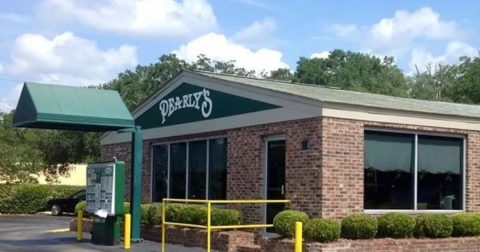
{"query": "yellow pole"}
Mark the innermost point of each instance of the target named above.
(127, 230)
(209, 220)
(80, 226)
(163, 225)
(298, 237)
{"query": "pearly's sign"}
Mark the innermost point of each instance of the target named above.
(198, 100)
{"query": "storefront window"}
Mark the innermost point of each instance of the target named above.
(439, 173)
(159, 172)
(218, 169)
(388, 171)
(196, 167)
(178, 168)
(394, 161)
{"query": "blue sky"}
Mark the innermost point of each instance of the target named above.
(81, 42)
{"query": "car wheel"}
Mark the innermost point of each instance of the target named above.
(56, 210)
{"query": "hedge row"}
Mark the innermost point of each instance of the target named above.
(392, 225)
(31, 198)
(151, 214)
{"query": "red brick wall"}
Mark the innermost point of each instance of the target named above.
(342, 164)
(464, 244)
(333, 163)
(342, 167)
(245, 167)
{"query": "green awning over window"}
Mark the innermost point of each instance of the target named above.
(71, 108)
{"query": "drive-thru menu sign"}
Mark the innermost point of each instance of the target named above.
(105, 188)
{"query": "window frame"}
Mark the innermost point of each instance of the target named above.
(187, 141)
(416, 133)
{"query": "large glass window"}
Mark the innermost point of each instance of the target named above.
(218, 169)
(159, 172)
(388, 171)
(197, 169)
(439, 173)
(178, 168)
(394, 161)
(194, 170)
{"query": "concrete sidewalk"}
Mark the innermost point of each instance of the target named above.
(50, 234)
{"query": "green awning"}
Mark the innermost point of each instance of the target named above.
(71, 108)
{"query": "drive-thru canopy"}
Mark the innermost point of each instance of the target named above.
(47, 106)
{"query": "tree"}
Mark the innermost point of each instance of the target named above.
(282, 74)
(18, 160)
(353, 71)
(435, 83)
(466, 88)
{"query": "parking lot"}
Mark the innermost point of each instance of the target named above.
(50, 234)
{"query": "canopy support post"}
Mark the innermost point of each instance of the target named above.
(136, 182)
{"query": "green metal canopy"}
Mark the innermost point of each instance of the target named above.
(71, 108)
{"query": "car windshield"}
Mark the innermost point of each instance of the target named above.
(79, 195)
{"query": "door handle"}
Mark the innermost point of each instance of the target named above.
(283, 189)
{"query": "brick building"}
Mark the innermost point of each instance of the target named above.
(331, 152)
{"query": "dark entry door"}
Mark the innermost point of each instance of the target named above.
(275, 177)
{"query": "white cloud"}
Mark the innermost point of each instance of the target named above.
(10, 101)
(159, 18)
(396, 35)
(453, 51)
(258, 34)
(343, 30)
(320, 55)
(67, 59)
(256, 4)
(218, 47)
(1, 67)
(14, 18)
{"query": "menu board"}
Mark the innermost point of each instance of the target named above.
(101, 188)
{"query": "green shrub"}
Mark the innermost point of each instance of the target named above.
(359, 226)
(224, 217)
(433, 226)
(395, 225)
(31, 198)
(322, 230)
(194, 214)
(465, 224)
(174, 213)
(284, 222)
(151, 214)
(81, 206)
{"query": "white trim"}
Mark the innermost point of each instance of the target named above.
(415, 185)
(400, 117)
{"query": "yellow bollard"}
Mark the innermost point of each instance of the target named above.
(127, 235)
(80, 226)
(209, 223)
(164, 207)
(298, 237)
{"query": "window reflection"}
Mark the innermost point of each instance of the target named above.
(388, 170)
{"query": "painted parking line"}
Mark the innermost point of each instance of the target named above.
(58, 230)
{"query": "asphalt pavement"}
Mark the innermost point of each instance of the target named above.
(50, 234)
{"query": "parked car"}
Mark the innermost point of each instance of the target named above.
(66, 205)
